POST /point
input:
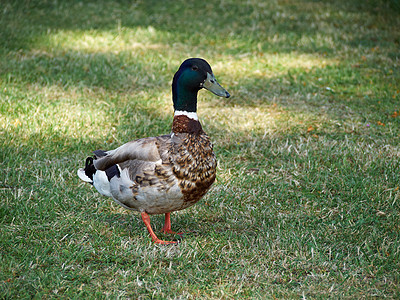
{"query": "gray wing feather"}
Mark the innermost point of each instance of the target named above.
(146, 149)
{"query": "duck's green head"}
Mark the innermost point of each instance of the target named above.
(193, 75)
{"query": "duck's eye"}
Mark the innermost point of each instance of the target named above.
(195, 68)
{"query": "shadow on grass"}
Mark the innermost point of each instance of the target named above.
(72, 69)
(260, 25)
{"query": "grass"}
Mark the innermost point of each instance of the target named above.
(306, 202)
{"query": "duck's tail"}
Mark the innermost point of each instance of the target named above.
(99, 179)
(86, 174)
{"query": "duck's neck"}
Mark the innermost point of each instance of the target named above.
(184, 96)
(186, 122)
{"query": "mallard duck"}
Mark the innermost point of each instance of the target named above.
(159, 175)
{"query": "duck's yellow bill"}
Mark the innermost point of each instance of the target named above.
(213, 86)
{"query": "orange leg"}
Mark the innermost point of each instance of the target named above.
(167, 225)
(146, 220)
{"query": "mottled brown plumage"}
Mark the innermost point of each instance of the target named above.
(194, 162)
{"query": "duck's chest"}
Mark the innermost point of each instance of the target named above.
(194, 165)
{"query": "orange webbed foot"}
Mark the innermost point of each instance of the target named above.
(161, 242)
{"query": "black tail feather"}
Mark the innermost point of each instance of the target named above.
(89, 168)
(112, 171)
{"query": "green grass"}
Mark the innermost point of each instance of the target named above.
(306, 202)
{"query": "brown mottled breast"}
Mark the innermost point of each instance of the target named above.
(192, 158)
(183, 124)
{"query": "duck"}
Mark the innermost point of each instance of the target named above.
(167, 173)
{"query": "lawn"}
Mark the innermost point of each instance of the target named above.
(306, 201)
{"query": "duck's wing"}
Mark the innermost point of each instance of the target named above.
(139, 175)
(145, 149)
